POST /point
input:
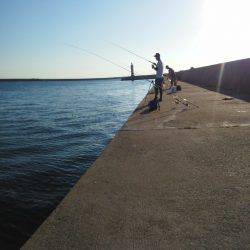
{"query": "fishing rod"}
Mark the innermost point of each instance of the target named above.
(131, 52)
(107, 60)
(95, 54)
(184, 101)
(141, 57)
(101, 57)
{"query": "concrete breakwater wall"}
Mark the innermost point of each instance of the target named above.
(139, 77)
(233, 75)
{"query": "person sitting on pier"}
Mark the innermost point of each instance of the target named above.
(159, 76)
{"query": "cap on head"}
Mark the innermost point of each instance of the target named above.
(157, 55)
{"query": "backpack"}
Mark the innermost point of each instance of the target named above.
(153, 105)
(178, 88)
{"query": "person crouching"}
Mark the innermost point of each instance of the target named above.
(172, 76)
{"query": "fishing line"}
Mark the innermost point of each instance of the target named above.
(94, 54)
(141, 57)
(131, 52)
(107, 60)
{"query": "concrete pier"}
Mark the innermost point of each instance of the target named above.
(177, 178)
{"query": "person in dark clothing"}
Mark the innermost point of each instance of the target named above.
(172, 76)
(159, 76)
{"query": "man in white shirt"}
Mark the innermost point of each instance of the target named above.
(159, 76)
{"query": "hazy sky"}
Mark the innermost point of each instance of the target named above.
(187, 33)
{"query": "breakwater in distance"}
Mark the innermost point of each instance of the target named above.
(50, 133)
(138, 77)
(232, 76)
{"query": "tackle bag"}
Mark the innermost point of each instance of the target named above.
(153, 105)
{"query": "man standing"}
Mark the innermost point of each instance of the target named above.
(159, 76)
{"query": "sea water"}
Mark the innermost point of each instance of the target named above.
(50, 133)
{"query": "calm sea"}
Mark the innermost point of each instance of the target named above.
(50, 133)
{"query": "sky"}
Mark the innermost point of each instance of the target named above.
(34, 35)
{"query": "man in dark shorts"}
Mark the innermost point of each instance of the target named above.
(159, 76)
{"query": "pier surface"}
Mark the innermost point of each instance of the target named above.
(177, 178)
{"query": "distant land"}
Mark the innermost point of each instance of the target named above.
(124, 78)
(57, 79)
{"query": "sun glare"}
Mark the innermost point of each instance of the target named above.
(225, 29)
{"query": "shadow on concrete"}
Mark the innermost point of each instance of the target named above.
(143, 119)
(146, 111)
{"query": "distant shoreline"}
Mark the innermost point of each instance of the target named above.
(122, 78)
(58, 79)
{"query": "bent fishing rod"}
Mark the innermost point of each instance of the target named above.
(107, 60)
(131, 52)
(101, 57)
(141, 57)
(94, 54)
